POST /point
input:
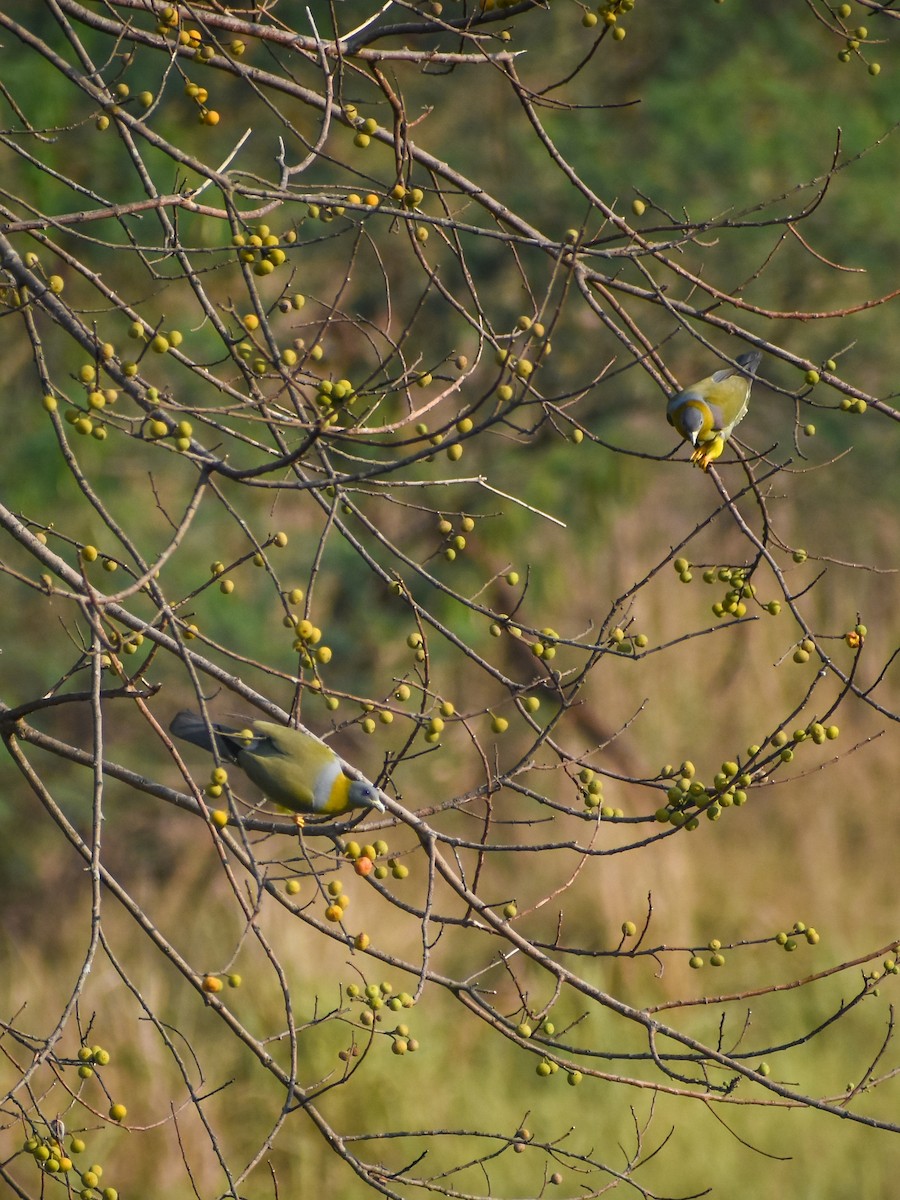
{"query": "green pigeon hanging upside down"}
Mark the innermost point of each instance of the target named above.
(290, 767)
(706, 412)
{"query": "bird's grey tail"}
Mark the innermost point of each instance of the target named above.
(749, 361)
(191, 727)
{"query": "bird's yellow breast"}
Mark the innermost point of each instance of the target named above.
(338, 796)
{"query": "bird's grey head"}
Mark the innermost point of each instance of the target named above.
(691, 419)
(364, 795)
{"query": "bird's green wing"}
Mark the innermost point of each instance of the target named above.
(287, 765)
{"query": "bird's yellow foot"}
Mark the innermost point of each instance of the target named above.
(298, 820)
(705, 454)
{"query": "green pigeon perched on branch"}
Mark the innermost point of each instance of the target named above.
(290, 767)
(706, 412)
